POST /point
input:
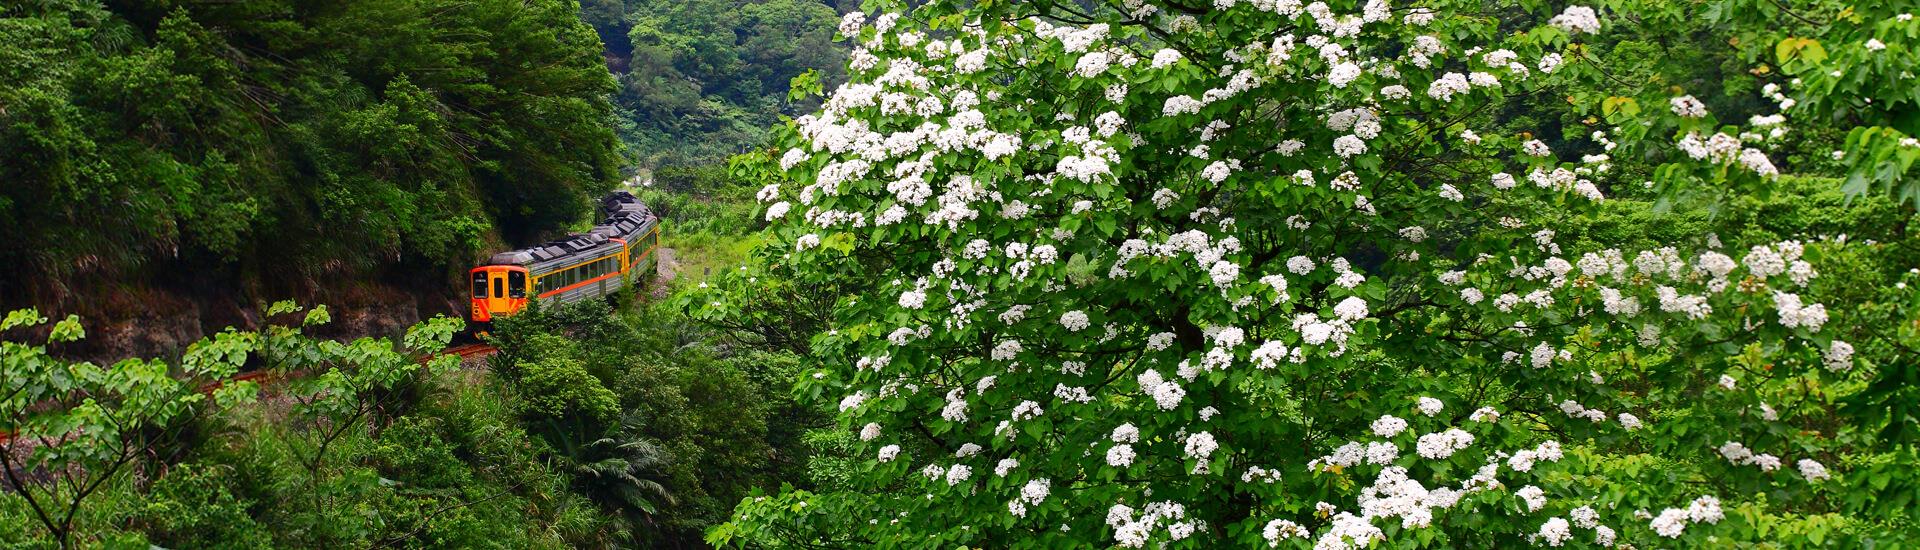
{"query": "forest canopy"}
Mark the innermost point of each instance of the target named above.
(701, 80)
(295, 139)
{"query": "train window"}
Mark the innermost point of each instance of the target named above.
(480, 285)
(516, 284)
(499, 287)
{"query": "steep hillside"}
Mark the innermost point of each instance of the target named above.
(159, 152)
(702, 79)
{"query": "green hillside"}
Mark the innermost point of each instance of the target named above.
(287, 143)
(701, 80)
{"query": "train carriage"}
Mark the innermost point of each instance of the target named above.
(613, 255)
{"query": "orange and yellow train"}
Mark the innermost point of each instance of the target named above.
(612, 256)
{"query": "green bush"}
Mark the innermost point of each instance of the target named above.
(193, 506)
(710, 423)
(561, 389)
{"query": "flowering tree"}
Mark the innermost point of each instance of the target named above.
(1851, 63)
(1265, 273)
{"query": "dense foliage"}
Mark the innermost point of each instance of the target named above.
(590, 429)
(290, 141)
(147, 451)
(703, 79)
(1266, 273)
(688, 424)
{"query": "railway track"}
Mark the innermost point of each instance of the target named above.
(467, 352)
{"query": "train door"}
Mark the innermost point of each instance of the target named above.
(498, 291)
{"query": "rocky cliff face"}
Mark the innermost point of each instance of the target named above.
(157, 322)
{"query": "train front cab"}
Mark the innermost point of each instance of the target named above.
(497, 290)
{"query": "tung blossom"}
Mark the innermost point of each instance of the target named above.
(1224, 217)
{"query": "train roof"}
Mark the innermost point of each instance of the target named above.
(625, 218)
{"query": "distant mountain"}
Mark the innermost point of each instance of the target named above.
(700, 80)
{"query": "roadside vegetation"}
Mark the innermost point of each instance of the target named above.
(707, 217)
(588, 428)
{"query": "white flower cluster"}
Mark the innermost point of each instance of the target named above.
(1672, 522)
(1280, 529)
(1393, 495)
(1738, 454)
(1795, 315)
(1439, 445)
(1031, 494)
(1838, 357)
(1165, 393)
(1724, 149)
(1429, 406)
(1523, 461)
(1075, 321)
(1134, 532)
(1688, 107)
(1576, 20)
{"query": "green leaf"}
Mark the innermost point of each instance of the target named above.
(67, 330)
(318, 316)
(1619, 105)
(22, 318)
(283, 306)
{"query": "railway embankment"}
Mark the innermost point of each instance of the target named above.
(139, 320)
